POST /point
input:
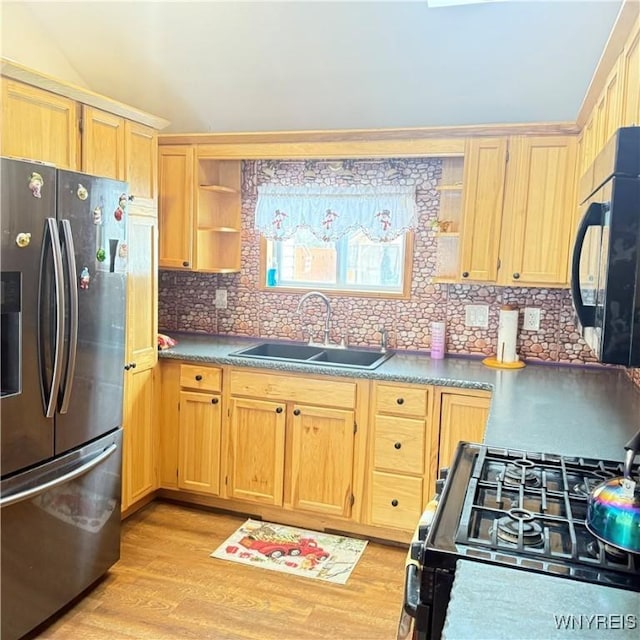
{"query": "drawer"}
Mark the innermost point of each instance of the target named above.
(399, 444)
(293, 388)
(401, 401)
(396, 501)
(200, 377)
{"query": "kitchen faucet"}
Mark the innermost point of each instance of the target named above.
(327, 322)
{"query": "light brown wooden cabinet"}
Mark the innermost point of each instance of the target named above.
(39, 125)
(256, 450)
(518, 210)
(199, 429)
(484, 178)
(287, 447)
(367, 463)
(114, 147)
(139, 443)
(538, 212)
(200, 222)
(199, 442)
(401, 454)
(462, 416)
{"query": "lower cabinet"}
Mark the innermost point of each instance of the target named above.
(199, 429)
(138, 463)
(199, 442)
(322, 459)
(284, 452)
(463, 418)
(350, 454)
(256, 450)
(400, 470)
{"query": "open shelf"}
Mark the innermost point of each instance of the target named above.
(218, 215)
(448, 242)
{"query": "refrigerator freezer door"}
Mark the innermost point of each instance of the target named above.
(28, 197)
(91, 207)
(60, 532)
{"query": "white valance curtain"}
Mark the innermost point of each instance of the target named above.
(382, 213)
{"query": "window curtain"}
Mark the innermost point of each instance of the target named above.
(382, 213)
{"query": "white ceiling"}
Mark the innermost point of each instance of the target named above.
(252, 66)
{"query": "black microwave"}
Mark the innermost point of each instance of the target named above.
(605, 270)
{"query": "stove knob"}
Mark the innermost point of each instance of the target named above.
(443, 473)
(439, 486)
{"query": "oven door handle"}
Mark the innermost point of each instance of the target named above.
(411, 589)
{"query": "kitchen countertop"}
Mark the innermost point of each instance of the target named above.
(576, 411)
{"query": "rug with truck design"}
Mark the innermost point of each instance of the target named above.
(301, 552)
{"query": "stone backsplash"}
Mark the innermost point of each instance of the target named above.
(187, 300)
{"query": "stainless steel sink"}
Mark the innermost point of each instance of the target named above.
(308, 354)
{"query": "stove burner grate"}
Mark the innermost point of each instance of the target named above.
(519, 525)
(521, 471)
(611, 553)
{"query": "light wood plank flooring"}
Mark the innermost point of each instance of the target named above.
(166, 587)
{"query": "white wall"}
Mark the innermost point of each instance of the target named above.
(23, 40)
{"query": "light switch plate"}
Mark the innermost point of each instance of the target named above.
(476, 315)
(531, 320)
(221, 298)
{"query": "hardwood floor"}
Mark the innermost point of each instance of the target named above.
(165, 586)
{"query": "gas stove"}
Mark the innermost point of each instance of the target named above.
(513, 508)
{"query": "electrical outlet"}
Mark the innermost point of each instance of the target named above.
(531, 320)
(476, 315)
(221, 298)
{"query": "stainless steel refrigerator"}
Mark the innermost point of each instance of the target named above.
(63, 256)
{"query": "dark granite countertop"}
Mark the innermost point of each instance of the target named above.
(576, 411)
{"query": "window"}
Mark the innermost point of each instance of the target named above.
(341, 237)
(351, 263)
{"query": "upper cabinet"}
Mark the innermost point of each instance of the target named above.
(485, 167)
(117, 148)
(175, 178)
(517, 210)
(39, 125)
(538, 210)
(102, 143)
(200, 225)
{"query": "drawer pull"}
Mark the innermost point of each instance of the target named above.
(394, 503)
(214, 400)
(296, 412)
(278, 409)
(198, 378)
(400, 400)
(397, 445)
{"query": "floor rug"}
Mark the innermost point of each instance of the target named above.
(310, 554)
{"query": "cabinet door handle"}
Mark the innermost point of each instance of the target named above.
(132, 365)
(516, 275)
(198, 378)
(296, 412)
(130, 198)
(127, 367)
(215, 400)
(465, 274)
(400, 400)
(394, 503)
(398, 445)
(278, 409)
(185, 263)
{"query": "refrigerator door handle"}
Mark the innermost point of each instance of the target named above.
(72, 291)
(51, 232)
(67, 477)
